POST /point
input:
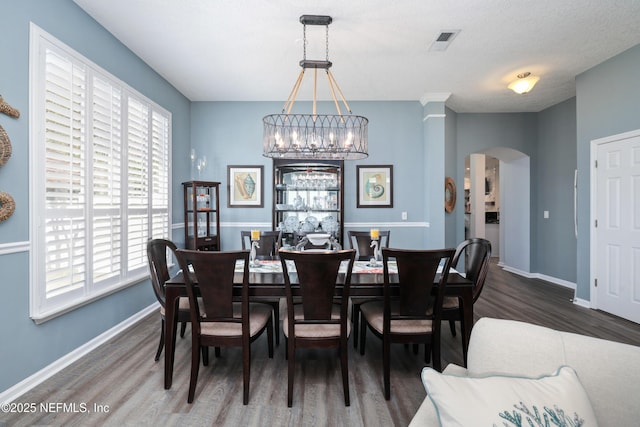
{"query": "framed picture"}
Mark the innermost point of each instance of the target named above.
(245, 188)
(375, 186)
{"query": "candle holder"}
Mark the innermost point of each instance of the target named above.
(375, 244)
(255, 244)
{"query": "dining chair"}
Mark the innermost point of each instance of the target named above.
(157, 252)
(317, 319)
(218, 321)
(361, 240)
(268, 247)
(477, 252)
(414, 315)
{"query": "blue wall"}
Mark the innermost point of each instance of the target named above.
(28, 347)
(477, 133)
(608, 101)
(553, 175)
(230, 133)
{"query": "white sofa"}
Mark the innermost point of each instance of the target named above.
(608, 371)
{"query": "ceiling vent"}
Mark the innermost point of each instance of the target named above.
(443, 40)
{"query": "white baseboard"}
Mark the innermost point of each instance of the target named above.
(14, 392)
(518, 271)
(540, 276)
(582, 303)
(555, 280)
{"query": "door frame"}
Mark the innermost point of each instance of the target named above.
(593, 232)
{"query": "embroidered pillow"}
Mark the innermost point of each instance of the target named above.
(499, 400)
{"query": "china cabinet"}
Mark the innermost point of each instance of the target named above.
(202, 215)
(308, 198)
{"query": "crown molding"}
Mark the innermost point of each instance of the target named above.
(434, 97)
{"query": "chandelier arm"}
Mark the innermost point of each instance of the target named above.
(294, 93)
(333, 94)
(315, 87)
(344, 101)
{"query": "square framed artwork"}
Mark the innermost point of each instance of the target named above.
(245, 187)
(375, 186)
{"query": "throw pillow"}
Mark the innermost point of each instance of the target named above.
(499, 400)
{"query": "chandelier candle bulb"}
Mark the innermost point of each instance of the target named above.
(255, 234)
(375, 233)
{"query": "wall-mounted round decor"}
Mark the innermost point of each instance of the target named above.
(449, 194)
(7, 206)
(5, 146)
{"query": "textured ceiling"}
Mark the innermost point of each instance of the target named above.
(248, 50)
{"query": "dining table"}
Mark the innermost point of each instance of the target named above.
(266, 281)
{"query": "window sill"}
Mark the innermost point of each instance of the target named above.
(45, 316)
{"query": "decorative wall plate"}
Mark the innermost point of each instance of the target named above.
(449, 194)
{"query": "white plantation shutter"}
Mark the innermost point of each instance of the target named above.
(100, 179)
(107, 180)
(138, 183)
(64, 163)
(159, 175)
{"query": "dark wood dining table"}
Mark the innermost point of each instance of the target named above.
(267, 282)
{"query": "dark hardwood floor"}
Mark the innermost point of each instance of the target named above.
(121, 385)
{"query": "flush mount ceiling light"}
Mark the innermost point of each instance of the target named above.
(315, 136)
(524, 83)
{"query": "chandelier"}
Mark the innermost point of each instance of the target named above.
(315, 136)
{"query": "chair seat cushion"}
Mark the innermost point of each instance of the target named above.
(316, 330)
(183, 304)
(373, 312)
(450, 302)
(259, 315)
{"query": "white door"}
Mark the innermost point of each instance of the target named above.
(617, 231)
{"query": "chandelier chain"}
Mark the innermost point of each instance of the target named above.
(326, 39)
(304, 42)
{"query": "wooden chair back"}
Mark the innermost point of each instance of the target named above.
(477, 253)
(317, 275)
(214, 272)
(417, 270)
(158, 266)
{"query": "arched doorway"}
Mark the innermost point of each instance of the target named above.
(499, 197)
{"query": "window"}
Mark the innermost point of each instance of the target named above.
(99, 173)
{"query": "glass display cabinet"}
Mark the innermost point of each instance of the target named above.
(308, 198)
(202, 215)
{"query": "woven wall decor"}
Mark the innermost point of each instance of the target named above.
(8, 109)
(5, 146)
(7, 206)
